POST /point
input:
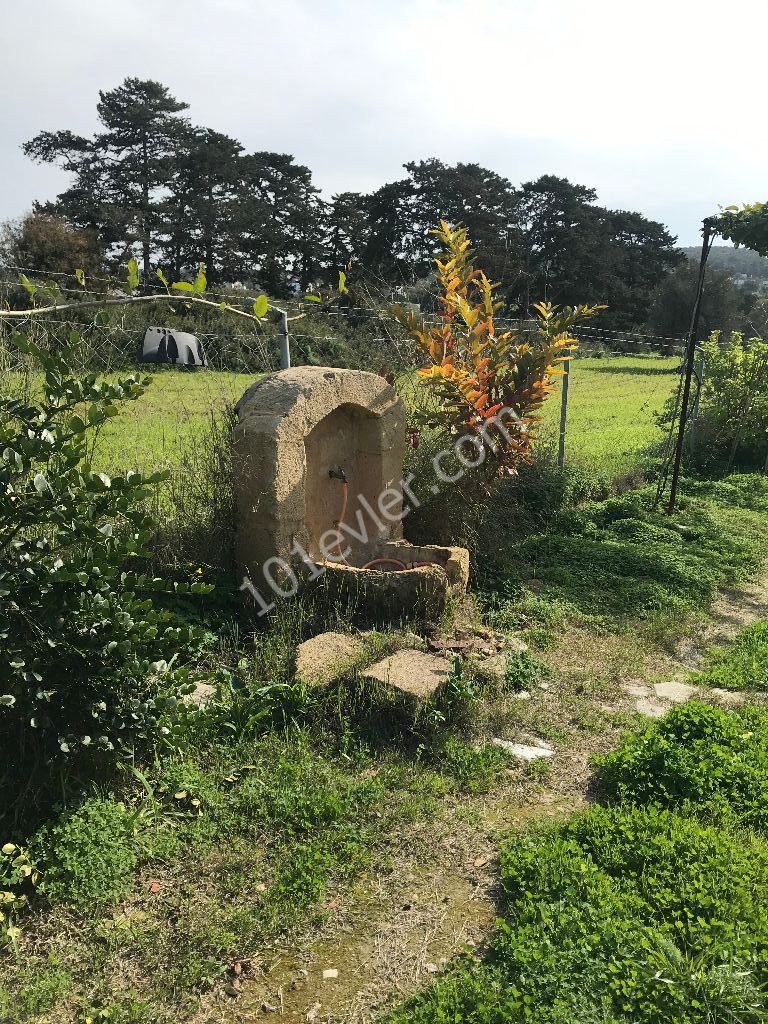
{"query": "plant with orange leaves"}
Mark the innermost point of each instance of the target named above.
(478, 376)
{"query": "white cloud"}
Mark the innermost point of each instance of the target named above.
(658, 105)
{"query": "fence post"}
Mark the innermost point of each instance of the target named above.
(564, 410)
(699, 375)
(285, 345)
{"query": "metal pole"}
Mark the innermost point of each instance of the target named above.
(285, 346)
(699, 373)
(690, 357)
(564, 411)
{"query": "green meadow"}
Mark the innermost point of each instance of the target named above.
(613, 402)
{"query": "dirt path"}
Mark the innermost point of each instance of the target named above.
(387, 936)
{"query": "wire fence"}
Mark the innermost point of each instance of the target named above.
(606, 416)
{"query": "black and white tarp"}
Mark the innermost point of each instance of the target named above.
(162, 345)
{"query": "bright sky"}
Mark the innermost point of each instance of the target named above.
(659, 105)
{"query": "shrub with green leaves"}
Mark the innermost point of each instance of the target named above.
(84, 654)
(88, 856)
(732, 421)
(696, 754)
(742, 665)
(638, 915)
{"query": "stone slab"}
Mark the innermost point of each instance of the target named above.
(652, 708)
(524, 751)
(327, 656)
(412, 672)
(732, 697)
(676, 693)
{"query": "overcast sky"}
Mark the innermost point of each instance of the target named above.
(658, 104)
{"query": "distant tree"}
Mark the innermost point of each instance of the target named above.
(349, 230)
(403, 213)
(724, 305)
(280, 223)
(121, 172)
(46, 243)
(572, 247)
(198, 215)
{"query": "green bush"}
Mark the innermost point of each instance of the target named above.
(732, 419)
(639, 916)
(84, 654)
(742, 665)
(696, 754)
(88, 856)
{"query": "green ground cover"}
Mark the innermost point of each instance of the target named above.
(151, 885)
(613, 402)
(636, 912)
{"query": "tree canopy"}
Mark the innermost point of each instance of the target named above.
(154, 185)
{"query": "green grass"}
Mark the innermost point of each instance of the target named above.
(636, 913)
(620, 561)
(742, 665)
(150, 434)
(612, 405)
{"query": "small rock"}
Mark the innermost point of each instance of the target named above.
(521, 695)
(431, 968)
(202, 694)
(269, 1008)
(329, 973)
(635, 688)
(677, 693)
(516, 645)
(312, 1013)
(327, 656)
(524, 751)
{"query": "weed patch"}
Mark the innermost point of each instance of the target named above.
(742, 665)
(697, 754)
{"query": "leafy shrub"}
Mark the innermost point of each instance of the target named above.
(732, 423)
(88, 856)
(599, 910)
(480, 378)
(742, 665)
(83, 653)
(697, 754)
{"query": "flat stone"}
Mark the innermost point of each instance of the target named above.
(524, 751)
(493, 668)
(652, 708)
(412, 672)
(327, 656)
(677, 693)
(202, 694)
(515, 645)
(732, 697)
(636, 688)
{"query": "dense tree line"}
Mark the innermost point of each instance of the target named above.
(153, 184)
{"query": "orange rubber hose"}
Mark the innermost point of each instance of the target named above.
(389, 561)
(340, 521)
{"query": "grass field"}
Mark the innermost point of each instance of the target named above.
(611, 416)
(612, 407)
